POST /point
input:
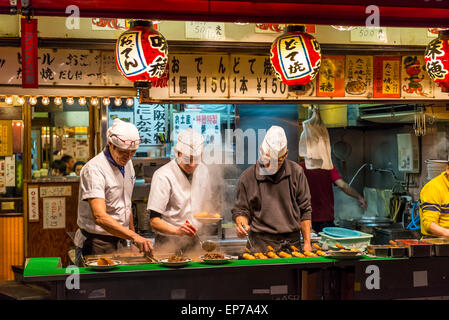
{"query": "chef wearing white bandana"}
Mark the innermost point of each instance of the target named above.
(273, 203)
(106, 185)
(179, 189)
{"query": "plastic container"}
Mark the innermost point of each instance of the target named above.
(360, 242)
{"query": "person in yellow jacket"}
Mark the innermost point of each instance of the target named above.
(434, 206)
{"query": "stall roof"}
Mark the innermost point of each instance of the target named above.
(400, 13)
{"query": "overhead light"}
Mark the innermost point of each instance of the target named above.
(118, 101)
(129, 102)
(21, 100)
(58, 101)
(82, 101)
(69, 101)
(343, 28)
(45, 101)
(94, 101)
(106, 101)
(9, 100)
(33, 101)
(241, 23)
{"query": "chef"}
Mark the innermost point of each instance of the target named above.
(273, 203)
(106, 185)
(434, 206)
(179, 189)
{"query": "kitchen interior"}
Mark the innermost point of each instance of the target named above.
(387, 152)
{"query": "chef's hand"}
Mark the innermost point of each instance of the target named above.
(144, 244)
(242, 227)
(187, 229)
(307, 247)
(362, 203)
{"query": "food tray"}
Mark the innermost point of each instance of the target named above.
(440, 246)
(417, 248)
(378, 250)
(94, 265)
(216, 261)
(175, 264)
(344, 255)
(360, 242)
(398, 252)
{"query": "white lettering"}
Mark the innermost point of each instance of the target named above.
(72, 281)
(73, 21)
(374, 19)
(373, 281)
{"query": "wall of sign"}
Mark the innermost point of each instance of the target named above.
(240, 77)
(64, 67)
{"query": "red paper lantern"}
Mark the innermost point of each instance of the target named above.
(436, 60)
(141, 54)
(295, 57)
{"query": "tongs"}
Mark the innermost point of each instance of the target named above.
(147, 255)
(247, 237)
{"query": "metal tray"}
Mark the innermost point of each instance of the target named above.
(440, 246)
(398, 252)
(378, 250)
(344, 255)
(417, 248)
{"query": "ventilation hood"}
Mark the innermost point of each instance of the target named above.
(399, 113)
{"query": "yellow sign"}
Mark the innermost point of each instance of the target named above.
(5, 138)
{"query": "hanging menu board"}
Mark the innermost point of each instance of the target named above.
(359, 76)
(253, 77)
(200, 75)
(331, 77)
(387, 79)
(64, 67)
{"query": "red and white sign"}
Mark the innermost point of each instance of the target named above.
(33, 204)
(29, 53)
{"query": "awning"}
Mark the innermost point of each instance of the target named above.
(400, 13)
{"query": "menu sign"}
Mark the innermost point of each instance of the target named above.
(151, 121)
(252, 76)
(387, 80)
(54, 213)
(33, 204)
(415, 80)
(331, 77)
(5, 138)
(199, 75)
(359, 76)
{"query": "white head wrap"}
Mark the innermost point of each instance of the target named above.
(275, 143)
(123, 135)
(190, 143)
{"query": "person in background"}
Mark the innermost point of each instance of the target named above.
(273, 199)
(434, 206)
(78, 166)
(320, 184)
(58, 168)
(104, 207)
(179, 189)
(69, 163)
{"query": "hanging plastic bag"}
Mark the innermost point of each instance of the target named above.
(314, 143)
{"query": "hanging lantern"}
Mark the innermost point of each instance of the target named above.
(295, 57)
(436, 60)
(141, 54)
